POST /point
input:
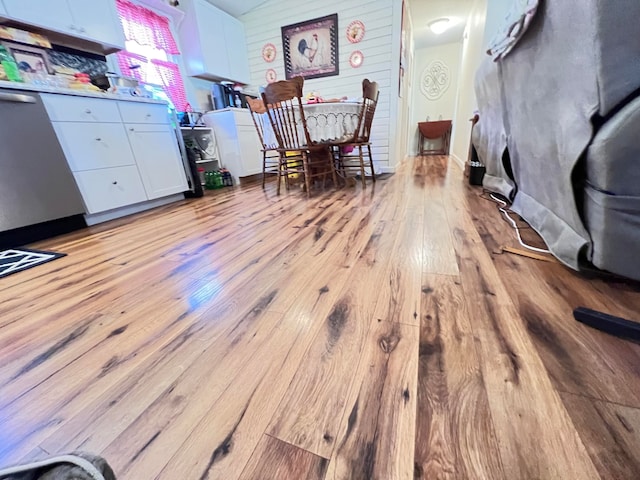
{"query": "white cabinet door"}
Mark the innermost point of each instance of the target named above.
(97, 20)
(49, 14)
(3, 11)
(155, 149)
(236, 50)
(250, 153)
(90, 146)
(212, 39)
(110, 188)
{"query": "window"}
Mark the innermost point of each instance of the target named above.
(150, 51)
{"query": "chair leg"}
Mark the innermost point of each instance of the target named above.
(373, 173)
(364, 180)
(280, 173)
(332, 165)
(264, 167)
(307, 173)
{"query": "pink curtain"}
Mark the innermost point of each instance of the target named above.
(172, 83)
(126, 60)
(146, 27)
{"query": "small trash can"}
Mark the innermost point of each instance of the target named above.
(476, 173)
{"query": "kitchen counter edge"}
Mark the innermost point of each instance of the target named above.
(78, 93)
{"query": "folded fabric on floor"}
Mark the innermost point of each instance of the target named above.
(516, 23)
(75, 466)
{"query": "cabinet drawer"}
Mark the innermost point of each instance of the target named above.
(67, 108)
(88, 146)
(143, 113)
(110, 188)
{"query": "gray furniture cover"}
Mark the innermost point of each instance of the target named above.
(566, 94)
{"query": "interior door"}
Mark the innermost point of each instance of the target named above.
(155, 149)
(97, 20)
(51, 14)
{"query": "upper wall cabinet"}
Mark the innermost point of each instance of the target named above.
(95, 21)
(3, 11)
(213, 43)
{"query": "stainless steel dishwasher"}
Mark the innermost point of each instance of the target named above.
(36, 184)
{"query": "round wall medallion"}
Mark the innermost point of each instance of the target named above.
(271, 75)
(355, 31)
(269, 52)
(356, 59)
(435, 80)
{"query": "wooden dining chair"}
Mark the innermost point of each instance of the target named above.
(271, 157)
(362, 136)
(283, 101)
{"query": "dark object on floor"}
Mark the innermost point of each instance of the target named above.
(476, 173)
(608, 323)
(75, 466)
(41, 231)
(19, 259)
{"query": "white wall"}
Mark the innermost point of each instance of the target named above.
(473, 52)
(262, 25)
(442, 108)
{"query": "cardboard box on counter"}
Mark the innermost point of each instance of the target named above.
(22, 36)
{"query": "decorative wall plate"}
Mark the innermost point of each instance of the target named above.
(269, 52)
(356, 59)
(355, 31)
(271, 75)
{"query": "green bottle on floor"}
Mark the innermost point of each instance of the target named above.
(9, 66)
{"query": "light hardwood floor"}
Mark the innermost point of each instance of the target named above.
(360, 334)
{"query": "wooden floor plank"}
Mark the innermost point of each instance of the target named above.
(522, 399)
(611, 434)
(455, 437)
(276, 459)
(375, 440)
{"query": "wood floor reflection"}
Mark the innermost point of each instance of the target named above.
(371, 333)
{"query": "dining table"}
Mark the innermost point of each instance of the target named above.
(326, 122)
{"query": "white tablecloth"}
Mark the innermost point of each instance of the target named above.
(326, 122)
(332, 121)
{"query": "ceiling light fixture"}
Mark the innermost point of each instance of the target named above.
(440, 26)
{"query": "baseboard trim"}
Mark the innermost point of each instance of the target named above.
(131, 209)
(457, 160)
(386, 170)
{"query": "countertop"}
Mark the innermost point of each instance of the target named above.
(78, 93)
(228, 109)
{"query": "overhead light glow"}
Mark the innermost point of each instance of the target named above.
(440, 26)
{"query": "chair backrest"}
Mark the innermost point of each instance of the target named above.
(283, 101)
(261, 122)
(370, 95)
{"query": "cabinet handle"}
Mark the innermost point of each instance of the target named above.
(115, 183)
(72, 27)
(131, 130)
(87, 111)
(83, 30)
(148, 115)
(98, 139)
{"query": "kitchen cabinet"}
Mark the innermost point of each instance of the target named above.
(155, 149)
(53, 14)
(213, 43)
(238, 142)
(3, 11)
(110, 188)
(96, 20)
(121, 153)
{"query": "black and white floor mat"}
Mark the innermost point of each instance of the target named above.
(18, 259)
